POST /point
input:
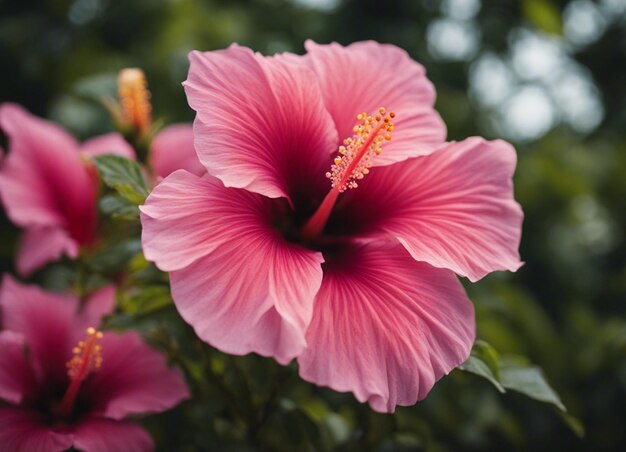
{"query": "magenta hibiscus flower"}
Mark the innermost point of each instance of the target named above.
(276, 251)
(66, 384)
(47, 188)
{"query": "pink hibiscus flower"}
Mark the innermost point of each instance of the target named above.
(66, 384)
(48, 189)
(267, 255)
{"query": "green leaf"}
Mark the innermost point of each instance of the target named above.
(119, 208)
(145, 300)
(97, 86)
(529, 380)
(124, 176)
(483, 361)
(572, 422)
(517, 374)
(115, 257)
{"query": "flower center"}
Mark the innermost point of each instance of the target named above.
(353, 163)
(87, 359)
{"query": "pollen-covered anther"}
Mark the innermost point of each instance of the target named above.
(357, 152)
(87, 356)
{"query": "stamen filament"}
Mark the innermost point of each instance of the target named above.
(316, 223)
(352, 164)
(360, 154)
(87, 358)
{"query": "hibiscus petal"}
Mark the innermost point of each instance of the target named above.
(22, 430)
(261, 123)
(186, 217)
(173, 149)
(43, 244)
(43, 180)
(16, 375)
(46, 321)
(234, 279)
(100, 303)
(105, 435)
(111, 143)
(367, 75)
(386, 327)
(133, 379)
(453, 209)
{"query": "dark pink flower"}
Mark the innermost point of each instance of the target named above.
(267, 255)
(47, 188)
(50, 190)
(65, 384)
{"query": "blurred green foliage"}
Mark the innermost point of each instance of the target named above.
(565, 309)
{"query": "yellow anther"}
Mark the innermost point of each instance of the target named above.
(353, 164)
(87, 355)
(356, 153)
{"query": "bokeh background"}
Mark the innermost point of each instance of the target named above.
(548, 75)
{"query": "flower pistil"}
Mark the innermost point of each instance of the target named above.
(353, 163)
(87, 358)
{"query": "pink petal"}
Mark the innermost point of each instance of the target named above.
(22, 430)
(43, 244)
(386, 327)
(133, 379)
(367, 75)
(16, 375)
(105, 435)
(453, 209)
(100, 303)
(173, 149)
(182, 219)
(234, 279)
(261, 123)
(43, 181)
(46, 321)
(111, 143)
